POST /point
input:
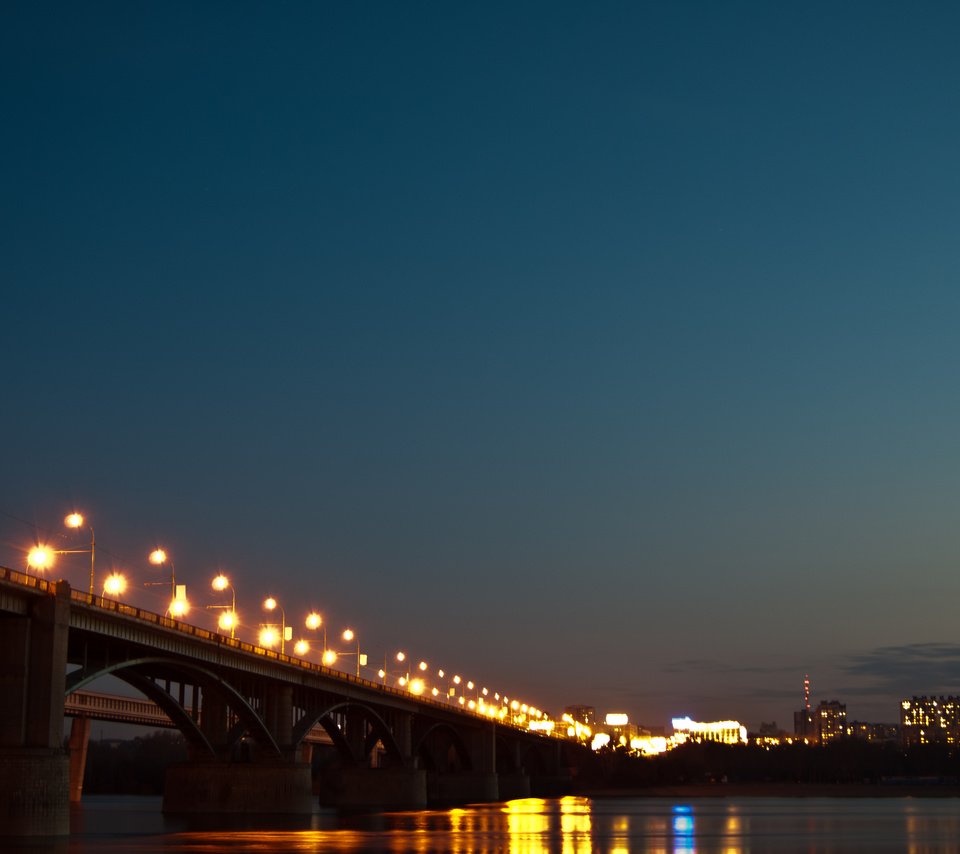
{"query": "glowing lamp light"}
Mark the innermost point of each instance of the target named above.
(416, 686)
(314, 620)
(269, 637)
(40, 557)
(348, 635)
(440, 674)
(179, 608)
(456, 680)
(601, 739)
(73, 520)
(434, 691)
(617, 719)
(301, 647)
(115, 584)
(402, 681)
(158, 557)
(423, 666)
(227, 620)
(329, 657)
(270, 603)
(220, 583)
(381, 673)
(470, 686)
(401, 656)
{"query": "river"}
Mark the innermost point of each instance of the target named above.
(531, 826)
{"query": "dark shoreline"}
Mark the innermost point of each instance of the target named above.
(781, 790)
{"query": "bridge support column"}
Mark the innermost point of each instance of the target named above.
(392, 788)
(34, 769)
(513, 785)
(462, 787)
(279, 714)
(474, 786)
(79, 742)
(235, 787)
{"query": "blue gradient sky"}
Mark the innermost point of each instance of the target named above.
(607, 355)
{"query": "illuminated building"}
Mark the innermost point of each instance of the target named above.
(804, 725)
(876, 733)
(726, 732)
(617, 725)
(930, 720)
(831, 721)
(585, 715)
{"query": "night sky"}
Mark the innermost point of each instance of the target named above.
(603, 354)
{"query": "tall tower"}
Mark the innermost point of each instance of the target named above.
(803, 725)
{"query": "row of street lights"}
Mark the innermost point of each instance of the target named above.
(42, 557)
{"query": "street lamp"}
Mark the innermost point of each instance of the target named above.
(41, 557)
(179, 605)
(227, 621)
(401, 657)
(114, 585)
(76, 521)
(268, 635)
(349, 635)
(313, 622)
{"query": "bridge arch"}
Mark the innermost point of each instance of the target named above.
(437, 742)
(136, 673)
(379, 731)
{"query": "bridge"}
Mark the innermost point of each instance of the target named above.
(251, 717)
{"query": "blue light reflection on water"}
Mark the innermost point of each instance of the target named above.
(531, 826)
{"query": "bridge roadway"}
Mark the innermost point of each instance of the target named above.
(246, 714)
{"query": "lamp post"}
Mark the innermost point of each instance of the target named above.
(179, 605)
(313, 622)
(227, 621)
(114, 585)
(349, 635)
(286, 632)
(41, 557)
(400, 657)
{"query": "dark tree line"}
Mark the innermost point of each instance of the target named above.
(135, 767)
(846, 761)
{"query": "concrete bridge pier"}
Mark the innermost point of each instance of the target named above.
(34, 768)
(357, 783)
(477, 783)
(512, 785)
(212, 784)
(264, 788)
(78, 744)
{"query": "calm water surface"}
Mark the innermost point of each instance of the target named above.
(530, 826)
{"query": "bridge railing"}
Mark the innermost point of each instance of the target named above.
(101, 602)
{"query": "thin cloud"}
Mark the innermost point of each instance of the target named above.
(906, 670)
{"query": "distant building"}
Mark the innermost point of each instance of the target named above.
(586, 715)
(930, 720)
(803, 725)
(727, 732)
(875, 733)
(831, 721)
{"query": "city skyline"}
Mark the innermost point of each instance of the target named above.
(607, 353)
